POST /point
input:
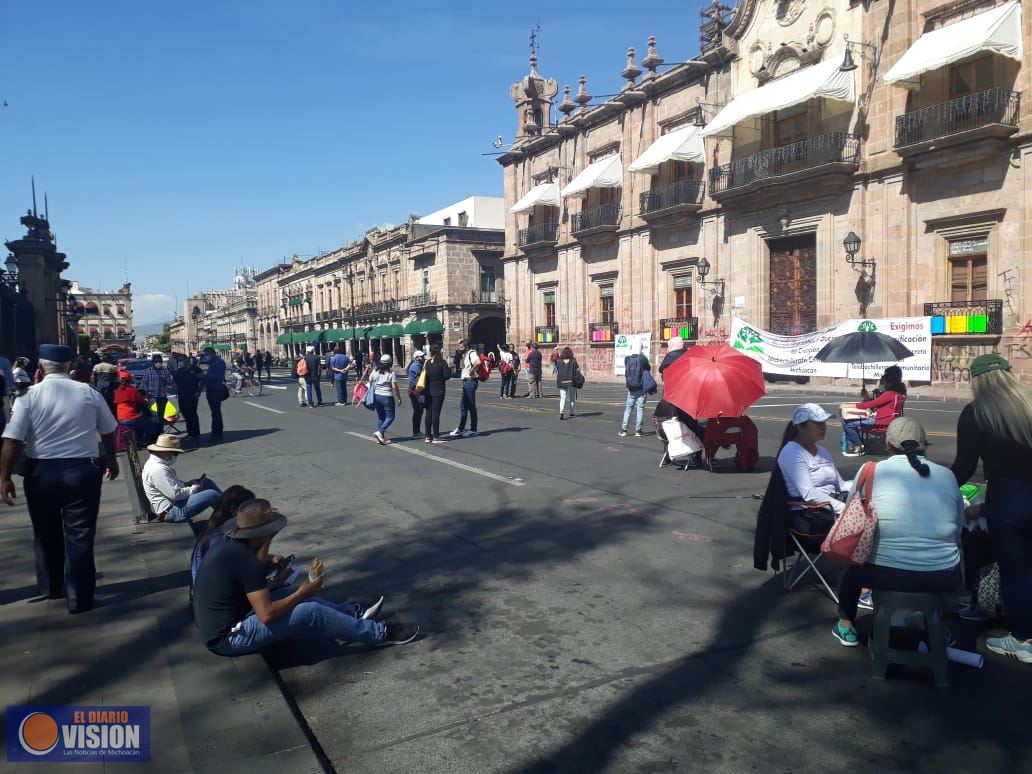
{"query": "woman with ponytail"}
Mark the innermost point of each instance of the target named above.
(920, 515)
(996, 427)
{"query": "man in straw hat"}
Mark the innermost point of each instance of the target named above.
(56, 423)
(237, 614)
(171, 498)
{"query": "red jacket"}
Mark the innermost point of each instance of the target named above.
(888, 405)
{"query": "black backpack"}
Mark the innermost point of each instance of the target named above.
(633, 373)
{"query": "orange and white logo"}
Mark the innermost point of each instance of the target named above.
(37, 733)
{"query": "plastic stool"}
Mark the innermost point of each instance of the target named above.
(929, 605)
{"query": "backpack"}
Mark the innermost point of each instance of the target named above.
(633, 373)
(302, 367)
(483, 370)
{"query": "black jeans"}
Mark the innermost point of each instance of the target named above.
(1008, 511)
(188, 409)
(417, 412)
(468, 404)
(874, 576)
(434, 404)
(63, 497)
(214, 397)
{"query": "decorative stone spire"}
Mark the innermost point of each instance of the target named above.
(567, 106)
(631, 71)
(582, 98)
(533, 96)
(652, 60)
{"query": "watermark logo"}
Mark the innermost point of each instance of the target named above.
(77, 734)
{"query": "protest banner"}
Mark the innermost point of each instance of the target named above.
(795, 355)
(627, 344)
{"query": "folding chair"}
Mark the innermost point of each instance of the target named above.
(807, 543)
(740, 432)
(170, 422)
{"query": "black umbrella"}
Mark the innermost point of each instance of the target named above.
(863, 347)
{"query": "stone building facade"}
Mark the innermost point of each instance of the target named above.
(760, 156)
(105, 316)
(396, 288)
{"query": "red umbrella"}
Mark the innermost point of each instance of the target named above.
(712, 380)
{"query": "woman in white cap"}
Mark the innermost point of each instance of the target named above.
(385, 396)
(920, 514)
(418, 399)
(809, 469)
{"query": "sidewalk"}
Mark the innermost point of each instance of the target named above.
(139, 646)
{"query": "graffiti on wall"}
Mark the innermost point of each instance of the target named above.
(1010, 280)
(952, 362)
(600, 359)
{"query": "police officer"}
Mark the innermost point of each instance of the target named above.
(56, 424)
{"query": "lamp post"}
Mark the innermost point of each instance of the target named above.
(350, 277)
(703, 268)
(851, 244)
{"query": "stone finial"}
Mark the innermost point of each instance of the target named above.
(533, 65)
(567, 106)
(652, 60)
(631, 71)
(582, 98)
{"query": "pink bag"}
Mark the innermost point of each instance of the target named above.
(358, 394)
(851, 539)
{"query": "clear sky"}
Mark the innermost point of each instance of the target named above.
(182, 139)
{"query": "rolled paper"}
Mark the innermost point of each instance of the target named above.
(965, 657)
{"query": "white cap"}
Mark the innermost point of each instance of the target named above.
(419, 353)
(385, 359)
(809, 412)
(675, 343)
(309, 349)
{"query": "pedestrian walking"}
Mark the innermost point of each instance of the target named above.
(297, 372)
(155, 381)
(384, 385)
(507, 373)
(635, 368)
(56, 424)
(568, 379)
(215, 390)
(268, 364)
(188, 389)
(339, 364)
(105, 379)
(553, 358)
(533, 360)
(516, 364)
(438, 373)
(470, 362)
(416, 398)
(313, 389)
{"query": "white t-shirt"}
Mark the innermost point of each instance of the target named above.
(59, 419)
(809, 477)
(383, 383)
(506, 357)
(470, 361)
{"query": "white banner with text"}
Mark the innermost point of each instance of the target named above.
(628, 344)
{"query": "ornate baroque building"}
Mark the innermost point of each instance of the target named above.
(106, 317)
(728, 184)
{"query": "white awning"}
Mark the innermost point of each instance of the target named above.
(607, 173)
(682, 144)
(545, 193)
(997, 30)
(819, 80)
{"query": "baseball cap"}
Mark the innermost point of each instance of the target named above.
(385, 359)
(983, 364)
(809, 412)
(419, 353)
(903, 429)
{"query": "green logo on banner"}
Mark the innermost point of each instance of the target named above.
(621, 341)
(867, 327)
(749, 340)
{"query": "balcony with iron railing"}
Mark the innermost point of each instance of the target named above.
(685, 327)
(658, 204)
(538, 237)
(966, 318)
(602, 333)
(482, 297)
(603, 219)
(828, 159)
(422, 300)
(990, 115)
(546, 334)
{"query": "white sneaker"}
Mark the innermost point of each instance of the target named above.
(1011, 646)
(469, 433)
(456, 433)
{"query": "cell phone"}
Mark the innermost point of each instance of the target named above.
(286, 561)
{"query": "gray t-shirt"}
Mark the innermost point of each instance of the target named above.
(383, 383)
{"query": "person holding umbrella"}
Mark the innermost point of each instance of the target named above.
(887, 405)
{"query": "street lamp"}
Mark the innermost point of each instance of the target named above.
(851, 244)
(703, 268)
(351, 295)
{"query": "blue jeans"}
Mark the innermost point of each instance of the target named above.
(314, 392)
(384, 410)
(638, 403)
(333, 621)
(341, 385)
(850, 432)
(468, 404)
(1010, 530)
(508, 385)
(184, 510)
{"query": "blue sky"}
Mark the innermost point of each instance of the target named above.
(186, 138)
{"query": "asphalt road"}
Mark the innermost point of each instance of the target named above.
(583, 610)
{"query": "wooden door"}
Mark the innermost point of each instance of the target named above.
(793, 286)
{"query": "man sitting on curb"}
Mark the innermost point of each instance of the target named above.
(237, 614)
(170, 498)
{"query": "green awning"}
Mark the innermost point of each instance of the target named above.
(296, 301)
(223, 347)
(428, 325)
(204, 345)
(374, 332)
(333, 334)
(392, 330)
(348, 333)
(310, 337)
(286, 338)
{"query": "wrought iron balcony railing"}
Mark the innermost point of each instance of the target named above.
(487, 297)
(604, 216)
(828, 148)
(960, 317)
(669, 196)
(603, 332)
(685, 327)
(992, 106)
(422, 300)
(546, 334)
(539, 234)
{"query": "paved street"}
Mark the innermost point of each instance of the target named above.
(582, 609)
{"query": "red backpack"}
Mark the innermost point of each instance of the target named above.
(483, 370)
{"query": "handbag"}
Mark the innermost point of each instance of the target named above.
(421, 381)
(987, 589)
(681, 441)
(578, 379)
(369, 399)
(649, 384)
(851, 538)
(361, 389)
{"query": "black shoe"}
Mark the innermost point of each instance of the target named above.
(397, 633)
(371, 611)
(561, 417)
